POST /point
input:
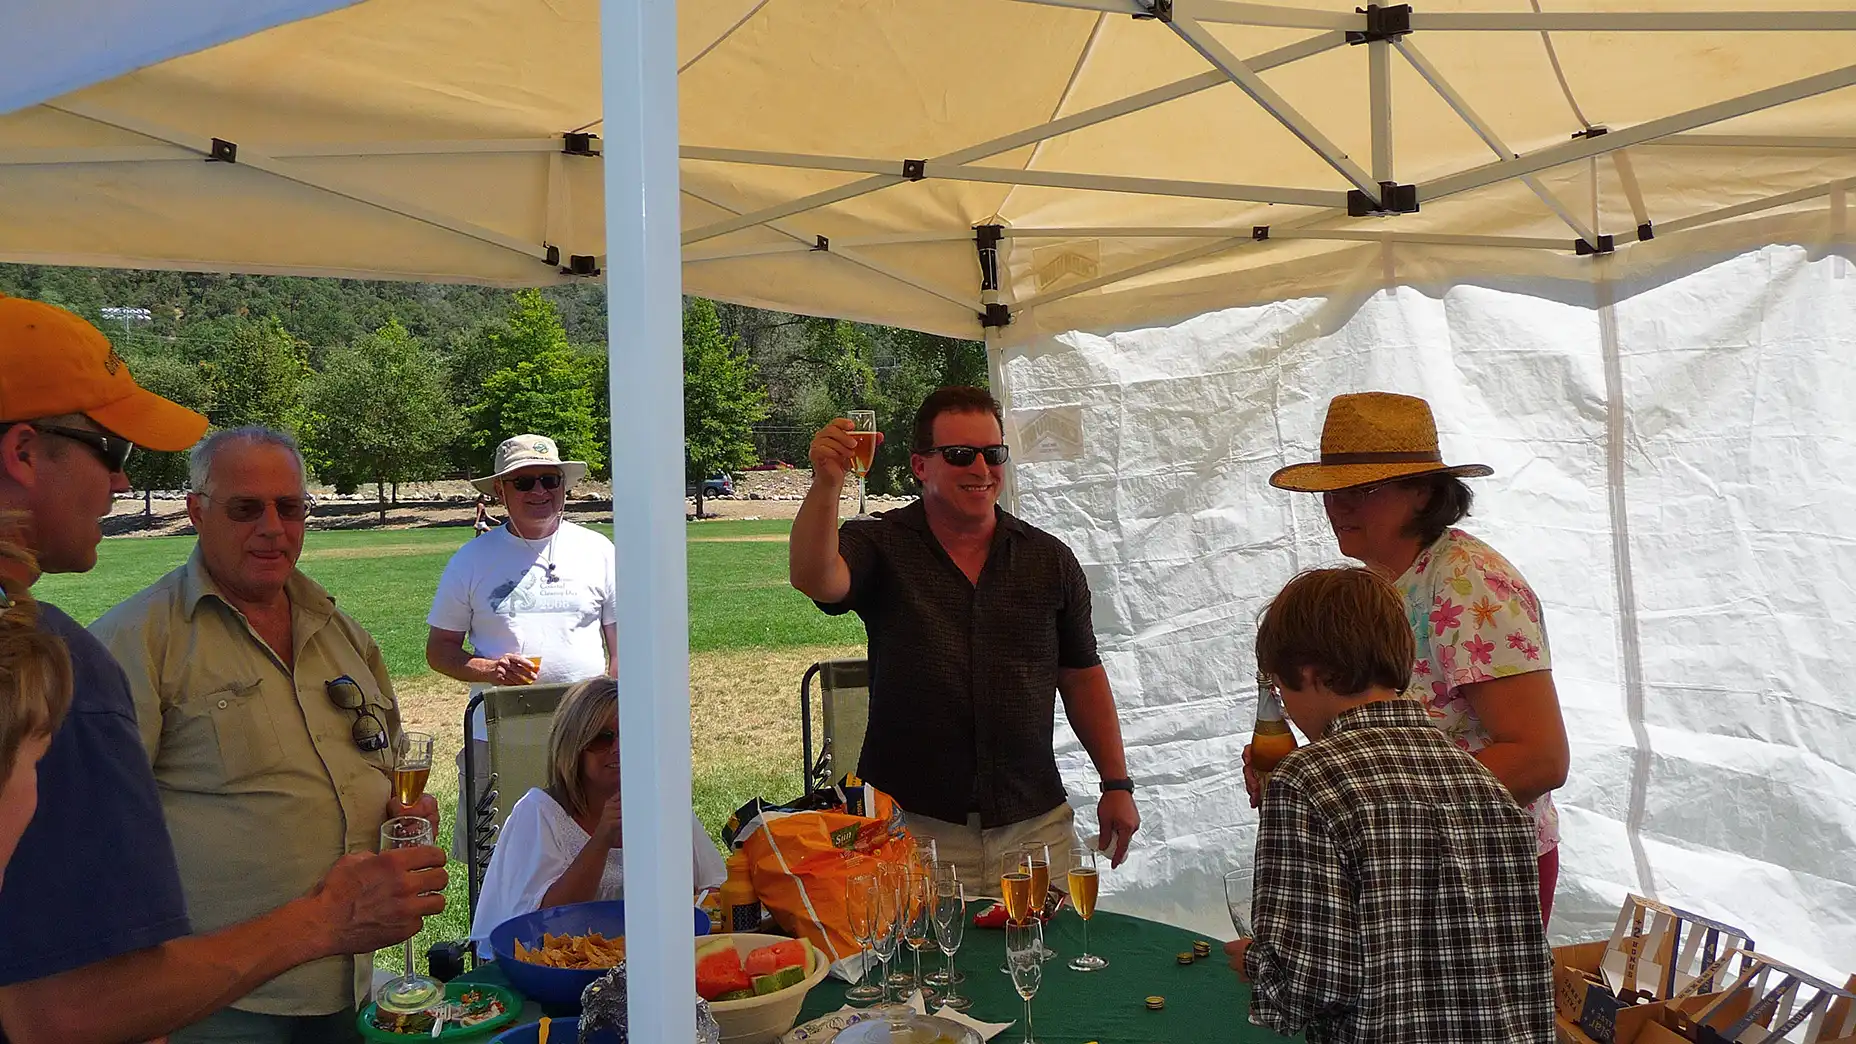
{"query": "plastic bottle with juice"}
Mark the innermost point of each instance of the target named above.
(740, 906)
(1271, 740)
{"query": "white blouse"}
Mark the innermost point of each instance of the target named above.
(536, 845)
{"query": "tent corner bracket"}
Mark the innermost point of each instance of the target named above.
(223, 151)
(581, 265)
(1605, 245)
(551, 255)
(1394, 198)
(1646, 231)
(915, 169)
(822, 245)
(1158, 10)
(996, 317)
(1260, 233)
(986, 239)
(575, 143)
(1382, 24)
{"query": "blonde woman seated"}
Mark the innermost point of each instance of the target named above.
(561, 844)
(35, 693)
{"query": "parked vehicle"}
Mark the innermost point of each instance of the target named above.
(719, 485)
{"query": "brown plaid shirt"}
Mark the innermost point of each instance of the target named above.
(1397, 895)
(963, 677)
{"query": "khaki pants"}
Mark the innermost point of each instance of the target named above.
(979, 854)
(231, 1026)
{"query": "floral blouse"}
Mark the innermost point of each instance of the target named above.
(1476, 620)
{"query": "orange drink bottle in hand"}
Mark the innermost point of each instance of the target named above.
(1271, 740)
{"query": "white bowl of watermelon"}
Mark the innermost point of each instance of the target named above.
(756, 984)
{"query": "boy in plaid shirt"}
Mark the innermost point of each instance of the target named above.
(1397, 894)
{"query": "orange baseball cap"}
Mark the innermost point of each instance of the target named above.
(53, 362)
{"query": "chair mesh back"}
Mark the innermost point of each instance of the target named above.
(518, 718)
(844, 692)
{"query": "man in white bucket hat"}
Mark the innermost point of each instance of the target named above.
(533, 598)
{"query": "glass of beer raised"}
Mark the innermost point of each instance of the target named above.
(1083, 896)
(412, 766)
(863, 429)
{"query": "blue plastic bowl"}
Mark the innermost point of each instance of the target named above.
(560, 987)
(560, 1031)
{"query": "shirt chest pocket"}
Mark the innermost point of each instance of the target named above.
(231, 734)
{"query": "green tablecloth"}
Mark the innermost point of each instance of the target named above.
(1205, 1004)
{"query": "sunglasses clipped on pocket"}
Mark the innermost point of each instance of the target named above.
(961, 456)
(370, 733)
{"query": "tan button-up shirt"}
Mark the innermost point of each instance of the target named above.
(260, 778)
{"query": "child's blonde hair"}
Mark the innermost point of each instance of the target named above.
(35, 667)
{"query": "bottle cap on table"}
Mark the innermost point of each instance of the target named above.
(1156, 1003)
(1202, 948)
(1186, 958)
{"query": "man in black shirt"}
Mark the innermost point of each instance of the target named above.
(976, 622)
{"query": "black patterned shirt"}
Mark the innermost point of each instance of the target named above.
(963, 676)
(1397, 893)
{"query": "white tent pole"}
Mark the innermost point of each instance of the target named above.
(638, 46)
(1214, 51)
(1752, 207)
(1379, 84)
(1754, 141)
(1585, 148)
(995, 371)
(1460, 105)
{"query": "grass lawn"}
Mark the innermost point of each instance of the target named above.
(751, 638)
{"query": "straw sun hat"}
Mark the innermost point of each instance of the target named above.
(1374, 437)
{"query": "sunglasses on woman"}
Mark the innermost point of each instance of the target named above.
(961, 456)
(112, 450)
(527, 482)
(251, 509)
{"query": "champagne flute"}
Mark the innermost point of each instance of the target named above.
(863, 429)
(860, 902)
(891, 908)
(1036, 857)
(950, 927)
(1238, 887)
(919, 930)
(1015, 889)
(410, 992)
(412, 766)
(1024, 945)
(945, 875)
(1083, 883)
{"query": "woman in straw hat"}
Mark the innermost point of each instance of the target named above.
(1482, 667)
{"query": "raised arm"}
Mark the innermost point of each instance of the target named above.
(814, 565)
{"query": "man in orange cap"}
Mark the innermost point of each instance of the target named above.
(97, 940)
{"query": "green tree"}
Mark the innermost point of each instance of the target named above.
(183, 382)
(723, 399)
(533, 380)
(257, 374)
(381, 412)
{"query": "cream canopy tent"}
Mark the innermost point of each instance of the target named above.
(838, 157)
(1017, 168)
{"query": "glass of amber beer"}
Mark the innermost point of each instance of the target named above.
(1083, 883)
(863, 429)
(412, 766)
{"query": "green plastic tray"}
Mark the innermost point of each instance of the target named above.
(512, 1007)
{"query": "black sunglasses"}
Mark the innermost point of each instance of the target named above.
(527, 482)
(961, 456)
(112, 450)
(251, 509)
(368, 732)
(602, 741)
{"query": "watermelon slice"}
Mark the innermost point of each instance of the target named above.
(736, 995)
(777, 981)
(769, 959)
(719, 972)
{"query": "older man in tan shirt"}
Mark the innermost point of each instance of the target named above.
(265, 778)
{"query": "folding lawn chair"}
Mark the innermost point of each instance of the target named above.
(844, 698)
(516, 719)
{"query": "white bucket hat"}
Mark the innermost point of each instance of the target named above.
(528, 451)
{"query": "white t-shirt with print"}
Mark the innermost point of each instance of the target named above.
(537, 844)
(498, 590)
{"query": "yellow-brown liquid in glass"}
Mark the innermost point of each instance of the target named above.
(865, 451)
(409, 783)
(1040, 879)
(1017, 888)
(1083, 891)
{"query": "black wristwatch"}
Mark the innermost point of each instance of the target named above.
(1117, 784)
